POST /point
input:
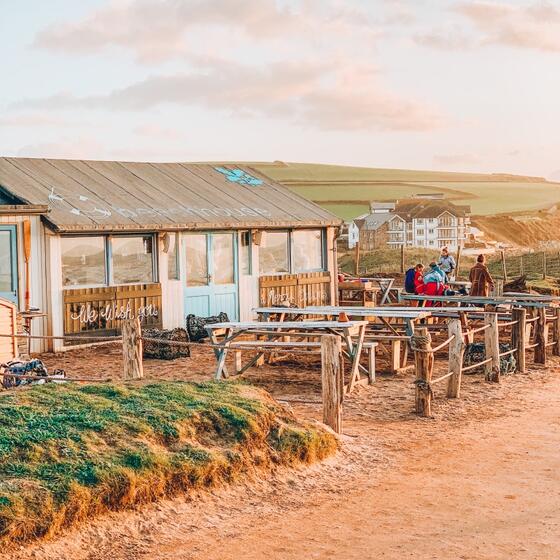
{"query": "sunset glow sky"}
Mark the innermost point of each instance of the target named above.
(422, 84)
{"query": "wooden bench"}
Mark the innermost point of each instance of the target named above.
(368, 347)
(398, 355)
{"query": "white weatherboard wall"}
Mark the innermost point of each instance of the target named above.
(172, 296)
(248, 285)
(37, 273)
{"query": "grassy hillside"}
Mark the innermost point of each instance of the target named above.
(70, 452)
(346, 191)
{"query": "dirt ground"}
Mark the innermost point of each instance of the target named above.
(477, 481)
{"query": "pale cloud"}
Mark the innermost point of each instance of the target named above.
(530, 26)
(450, 39)
(31, 120)
(159, 30)
(68, 148)
(330, 95)
(159, 132)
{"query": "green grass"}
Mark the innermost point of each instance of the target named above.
(70, 452)
(346, 191)
(388, 261)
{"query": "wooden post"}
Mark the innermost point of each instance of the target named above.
(132, 349)
(504, 268)
(556, 333)
(458, 262)
(332, 382)
(519, 336)
(456, 352)
(521, 267)
(357, 259)
(424, 365)
(544, 265)
(402, 259)
(492, 348)
(541, 332)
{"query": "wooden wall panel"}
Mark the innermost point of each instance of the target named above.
(102, 310)
(300, 290)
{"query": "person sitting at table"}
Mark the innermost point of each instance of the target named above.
(419, 279)
(434, 281)
(480, 277)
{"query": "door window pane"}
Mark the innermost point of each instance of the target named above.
(6, 262)
(172, 257)
(197, 260)
(308, 249)
(132, 259)
(222, 258)
(83, 260)
(273, 252)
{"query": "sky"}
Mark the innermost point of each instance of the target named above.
(415, 84)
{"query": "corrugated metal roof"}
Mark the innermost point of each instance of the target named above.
(111, 195)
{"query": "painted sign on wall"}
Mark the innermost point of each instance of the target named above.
(103, 309)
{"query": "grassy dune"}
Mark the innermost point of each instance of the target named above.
(69, 452)
(346, 191)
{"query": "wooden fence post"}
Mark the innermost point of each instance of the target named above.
(332, 382)
(556, 333)
(521, 267)
(357, 259)
(504, 267)
(424, 365)
(544, 265)
(541, 335)
(492, 348)
(458, 262)
(402, 259)
(519, 336)
(456, 352)
(132, 349)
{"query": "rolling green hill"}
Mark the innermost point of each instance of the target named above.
(346, 191)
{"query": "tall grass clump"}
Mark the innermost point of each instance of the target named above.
(69, 452)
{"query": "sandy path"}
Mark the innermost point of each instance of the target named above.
(479, 481)
(486, 491)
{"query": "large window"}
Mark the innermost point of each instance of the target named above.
(296, 251)
(83, 261)
(308, 250)
(132, 259)
(274, 253)
(99, 260)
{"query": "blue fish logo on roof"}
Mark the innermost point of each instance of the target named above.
(239, 176)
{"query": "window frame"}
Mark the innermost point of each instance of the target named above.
(323, 254)
(291, 256)
(108, 256)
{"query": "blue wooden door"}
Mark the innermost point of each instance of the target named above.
(8, 264)
(211, 285)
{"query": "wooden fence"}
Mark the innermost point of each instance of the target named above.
(526, 333)
(299, 290)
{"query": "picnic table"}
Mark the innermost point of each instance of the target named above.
(409, 315)
(225, 337)
(526, 300)
(385, 285)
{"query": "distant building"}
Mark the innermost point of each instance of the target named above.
(429, 223)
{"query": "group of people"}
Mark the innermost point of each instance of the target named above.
(434, 280)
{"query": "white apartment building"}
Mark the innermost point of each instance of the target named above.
(422, 223)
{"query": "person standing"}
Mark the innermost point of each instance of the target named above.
(480, 277)
(447, 263)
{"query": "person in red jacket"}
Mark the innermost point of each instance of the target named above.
(419, 279)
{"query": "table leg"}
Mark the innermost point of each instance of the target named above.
(221, 354)
(356, 353)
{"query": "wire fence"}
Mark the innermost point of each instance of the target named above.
(534, 265)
